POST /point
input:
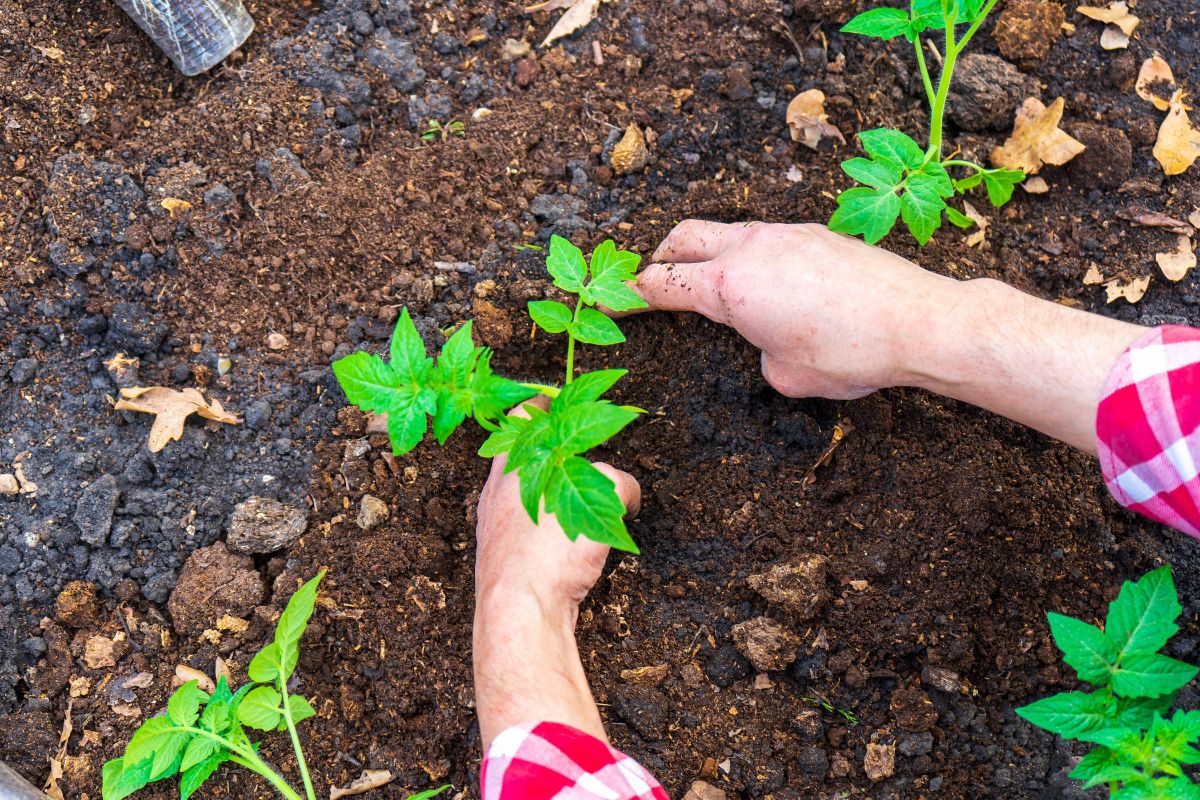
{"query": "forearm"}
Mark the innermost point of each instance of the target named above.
(527, 666)
(1033, 361)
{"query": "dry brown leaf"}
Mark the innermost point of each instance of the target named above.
(630, 154)
(1132, 291)
(1116, 14)
(808, 121)
(1178, 262)
(171, 408)
(99, 652)
(56, 761)
(578, 13)
(221, 670)
(1093, 277)
(1178, 144)
(646, 676)
(1113, 38)
(52, 53)
(977, 236)
(1155, 71)
(1036, 139)
(185, 674)
(370, 779)
(1036, 185)
(1194, 219)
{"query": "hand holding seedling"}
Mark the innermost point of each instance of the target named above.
(836, 318)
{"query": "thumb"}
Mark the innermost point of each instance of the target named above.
(628, 489)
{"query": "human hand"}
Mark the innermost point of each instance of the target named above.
(833, 317)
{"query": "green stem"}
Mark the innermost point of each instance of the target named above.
(966, 37)
(248, 759)
(571, 342)
(943, 90)
(291, 726)
(958, 162)
(929, 93)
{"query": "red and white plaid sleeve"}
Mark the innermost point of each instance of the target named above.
(1148, 428)
(547, 760)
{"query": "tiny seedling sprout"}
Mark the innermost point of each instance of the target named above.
(545, 448)
(435, 129)
(900, 179)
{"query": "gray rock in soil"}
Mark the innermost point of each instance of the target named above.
(396, 59)
(915, 744)
(23, 371)
(89, 205)
(263, 525)
(813, 763)
(219, 195)
(371, 512)
(158, 589)
(560, 213)
(214, 582)
(133, 329)
(283, 170)
(727, 666)
(645, 709)
(94, 510)
(986, 92)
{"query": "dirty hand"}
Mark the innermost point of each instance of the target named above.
(832, 315)
(529, 581)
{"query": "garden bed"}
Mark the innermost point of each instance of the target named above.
(947, 531)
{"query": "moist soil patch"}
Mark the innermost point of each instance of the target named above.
(315, 211)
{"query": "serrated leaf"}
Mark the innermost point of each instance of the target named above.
(970, 182)
(580, 427)
(184, 706)
(292, 623)
(217, 715)
(300, 708)
(1151, 675)
(367, 381)
(409, 360)
(1085, 648)
(957, 218)
(876, 174)
(117, 783)
(260, 709)
(588, 387)
(549, 315)
(533, 475)
(192, 779)
(264, 667)
(881, 23)
(613, 294)
(492, 395)
(1142, 618)
(1000, 184)
(1179, 789)
(408, 417)
(502, 440)
(1093, 764)
(199, 749)
(869, 212)
(566, 264)
(610, 263)
(534, 433)
(893, 145)
(585, 502)
(1069, 714)
(1139, 712)
(158, 741)
(592, 327)
(921, 211)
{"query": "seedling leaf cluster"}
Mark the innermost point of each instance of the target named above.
(1141, 750)
(545, 447)
(900, 179)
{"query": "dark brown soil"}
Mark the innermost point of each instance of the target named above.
(948, 532)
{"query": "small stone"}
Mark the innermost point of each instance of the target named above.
(524, 71)
(212, 583)
(646, 676)
(23, 371)
(704, 791)
(100, 652)
(76, 604)
(813, 762)
(839, 766)
(797, 586)
(630, 154)
(371, 512)
(219, 195)
(8, 484)
(880, 761)
(263, 525)
(646, 710)
(916, 744)
(277, 341)
(94, 511)
(766, 644)
(223, 365)
(987, 90)
(942, 679)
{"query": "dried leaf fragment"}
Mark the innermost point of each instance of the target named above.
(185, 674)
(1178, 144)
(1036, 139)
(1036, 185)
(1178, 262)
(370, 779)
(630, 154)
(1115, 16)
(1113, 38)
(1093, 277)
(174, 204)
(1155, 72)
(52, 53)
(808, 121)
(1132, 291)
(171, 408)
(578, 13)
(977, 236)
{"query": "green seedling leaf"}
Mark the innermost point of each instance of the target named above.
(592, 327)
(428, 793)
(264, 667)
(883, 174)
(1096, 763)
(550, 316)
(958, 218)
(1139, 712)
(1000, 184)
(869, 212)
(566, 265)
(117, 782)
(1069, 714)
(184, 706)
(300, 710)
(158, 741)
(588, 387)
(585, 500)
(260, 709)
(1085, 648)
(198, 774)
(1151, 675)
(492, 395)
(582, 426)
(1142, 618)
(894, 146)
(199, 749)
(535, 475)
(921, 206)
(609, 263)
(292, 623)
(881, 23)
(613, 294)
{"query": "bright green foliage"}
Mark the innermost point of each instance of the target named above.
(436, 129)
(544, 447)
(900, 179)
(200, 732)
(1141, 751)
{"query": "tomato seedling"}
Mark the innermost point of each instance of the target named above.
(545, 447)
(900, 179)
(1141, 752)
(435, 129)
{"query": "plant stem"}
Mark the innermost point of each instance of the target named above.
(291, 726)
(943, 91)
(929, 93)
(966, 37)
(248, 759)
(958, 162)
(571, 342)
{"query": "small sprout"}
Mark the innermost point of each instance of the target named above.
(436, 129)
(545, 447)
(1141, 751)
(900, 179)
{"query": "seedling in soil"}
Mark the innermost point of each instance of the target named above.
(546, 447)
(900, 179)
(1141, 752)
(436, 129)
(200, 732)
